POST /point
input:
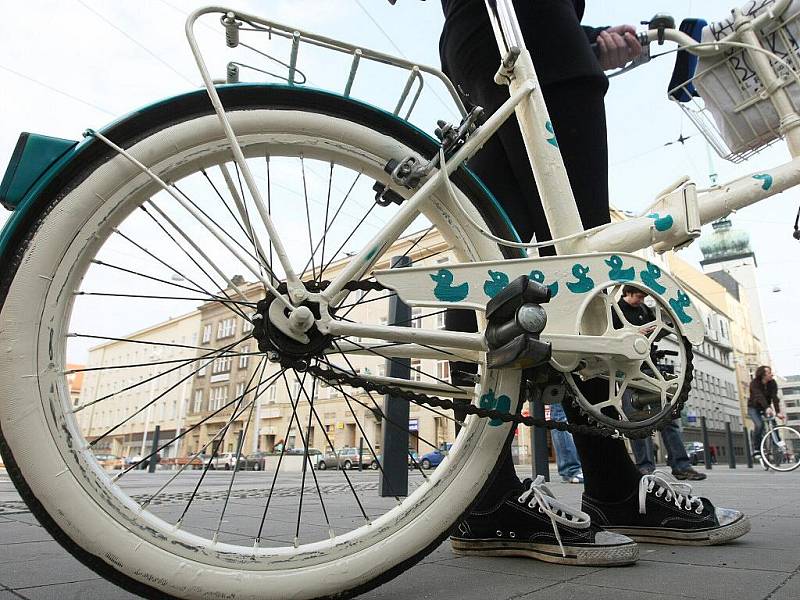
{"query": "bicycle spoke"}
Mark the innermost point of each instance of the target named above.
(215, 353)
(308, 219)
(261, 364)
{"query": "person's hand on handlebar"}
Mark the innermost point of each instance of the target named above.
(617, 46)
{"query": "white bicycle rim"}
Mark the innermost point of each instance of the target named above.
(52, 455)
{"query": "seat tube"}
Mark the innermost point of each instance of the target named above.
(541, 141)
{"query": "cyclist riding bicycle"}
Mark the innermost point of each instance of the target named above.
(763, 403)
(516, 518)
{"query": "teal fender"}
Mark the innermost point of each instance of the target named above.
(41, 165)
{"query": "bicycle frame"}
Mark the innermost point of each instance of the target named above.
(687, 209)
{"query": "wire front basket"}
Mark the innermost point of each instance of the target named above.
(726, 100)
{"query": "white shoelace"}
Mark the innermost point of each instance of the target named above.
(670, 489)
(538, 494)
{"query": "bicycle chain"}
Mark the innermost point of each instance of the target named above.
(597, 429)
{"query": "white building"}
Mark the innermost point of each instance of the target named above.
(789, 392)
(154, 393)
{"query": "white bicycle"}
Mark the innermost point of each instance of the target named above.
(308, 193)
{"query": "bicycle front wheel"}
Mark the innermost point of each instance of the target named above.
(99, 276)
(780, 449)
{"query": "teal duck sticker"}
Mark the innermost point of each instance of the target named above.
(538, 277)
(662, 223)
(678, 303)
(489, 402)
(616, 272)
(766, 180)
(551, 140)
(584, 283)
(650, 276)
(495, 285)
(445, 290)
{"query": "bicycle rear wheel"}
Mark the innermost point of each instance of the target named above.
(780, 449)
(110, 259)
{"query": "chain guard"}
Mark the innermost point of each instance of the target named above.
(596, 428)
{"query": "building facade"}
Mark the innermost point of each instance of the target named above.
(139, 383)
(241, 395)
(789, 392)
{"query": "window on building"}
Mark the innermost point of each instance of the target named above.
(221, 365)
(198, 401)
(272, 393)
(218, 397)
(201, 372)
(244, 359)
(440, 320)
(207, 333)
(240, 389)
(247, 326)
(225, 328)
(416, 318)
(416, 369)
(443, 370)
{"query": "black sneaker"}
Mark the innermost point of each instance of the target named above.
(689, 474)
(530, 522)
(665, 512)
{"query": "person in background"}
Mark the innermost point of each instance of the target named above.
(567, 461)
(637, 313)
(763, 403)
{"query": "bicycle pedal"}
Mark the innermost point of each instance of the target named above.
(523, 352)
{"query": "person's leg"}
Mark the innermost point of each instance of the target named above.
(643, 454)
(677, 458)
(567, 461)
(758, 429)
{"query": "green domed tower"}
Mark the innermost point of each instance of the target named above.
(725, 244)
(729, 259)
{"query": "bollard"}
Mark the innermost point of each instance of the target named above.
(541, 458)
(151, 467)
(239, 446)
(747, 450)
(394, 474)
(706, 445)
(361, 454)
(731, 455)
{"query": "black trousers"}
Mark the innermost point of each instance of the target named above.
(577, 111)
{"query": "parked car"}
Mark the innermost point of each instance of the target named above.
(409, 460)
(345, 458)
(433, 458)
(109, 461)
(695, 452)
(256, 461)
(227, 461)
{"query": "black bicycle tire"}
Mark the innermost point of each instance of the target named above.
(147, 122)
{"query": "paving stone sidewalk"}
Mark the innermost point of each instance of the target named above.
(765, 564)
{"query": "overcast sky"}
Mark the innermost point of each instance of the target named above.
(66, 65)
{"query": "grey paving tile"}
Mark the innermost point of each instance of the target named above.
(573, 591)
(27, 551)
(97, 589)
(741, 554)
(62, 569)
(789, 589)
(440, 582)
(688, 580)
(6, 595)
(16, 532)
